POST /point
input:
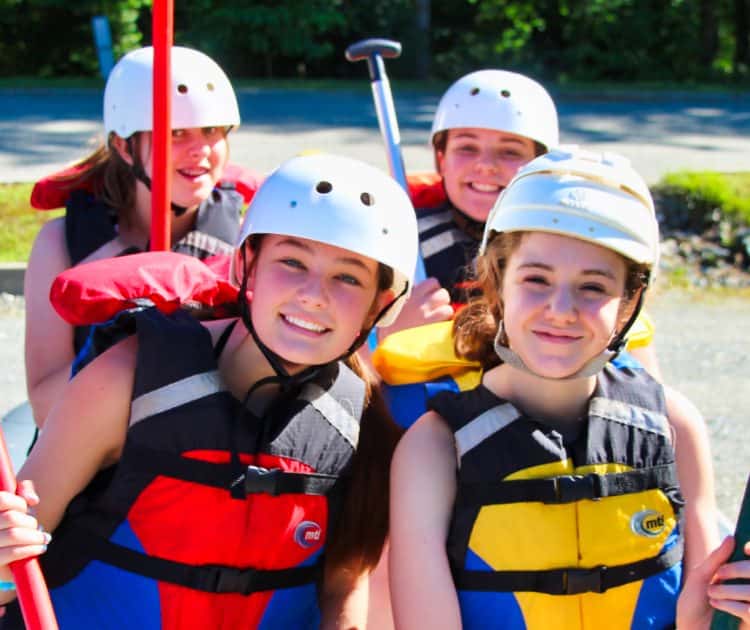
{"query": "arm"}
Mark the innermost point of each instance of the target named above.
(84, 433)
(695, 472)
(48, 338)
(423, 488)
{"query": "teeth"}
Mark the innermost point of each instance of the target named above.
(304, 324)
(485, 187)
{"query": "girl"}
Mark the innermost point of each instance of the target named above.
(206, 469)
(562, 490)
(108, 211)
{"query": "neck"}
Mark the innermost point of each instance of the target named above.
(557, 402)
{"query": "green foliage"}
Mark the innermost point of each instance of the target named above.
(713, 205)
(697, 200)
(20, 223)
(46, 38)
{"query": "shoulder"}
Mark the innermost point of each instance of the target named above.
(428, 441)
(684, 417)
(50, 241)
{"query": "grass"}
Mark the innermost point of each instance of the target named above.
(20, 223)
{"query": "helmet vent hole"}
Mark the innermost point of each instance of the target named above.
(474, 91)
(367, 199)
(324, 187)
(210, 87)
(505, 93)
(292, 204)
(182, 88)
(555, 220)
(385, 230)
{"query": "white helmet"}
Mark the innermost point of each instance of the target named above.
(597, 197)
(202, 95)
(341, 202)
(502, 101)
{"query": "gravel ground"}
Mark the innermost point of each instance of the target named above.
(703, 345)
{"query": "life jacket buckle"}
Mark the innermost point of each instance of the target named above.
(262, 480)
(572, 488)
(577, 581)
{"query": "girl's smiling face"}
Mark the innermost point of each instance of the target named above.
(477, 164)
(562, 301)
(311, 300)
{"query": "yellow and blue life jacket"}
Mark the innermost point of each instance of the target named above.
(566, 531)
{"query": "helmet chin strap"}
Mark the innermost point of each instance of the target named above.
(283, 378)
(140, 174)
(592, 367)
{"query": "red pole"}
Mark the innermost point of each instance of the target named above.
(31, 588)
(161, 180)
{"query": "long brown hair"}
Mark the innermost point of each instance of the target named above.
(109, 176)
(476, 325)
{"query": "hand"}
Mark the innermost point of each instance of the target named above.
(429, 303)
(703, 590)
(20, 536)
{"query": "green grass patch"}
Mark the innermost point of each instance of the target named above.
(697, 200)
(20, 223)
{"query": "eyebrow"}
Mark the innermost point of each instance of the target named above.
(350, 260)
(469, 135)
(586, 272)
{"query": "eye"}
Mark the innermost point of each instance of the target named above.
(292, 263)
(535, 280)
(593, 288)
(210, 131)
(348, 278)
(178, 133)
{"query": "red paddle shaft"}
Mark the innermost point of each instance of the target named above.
(31, 588)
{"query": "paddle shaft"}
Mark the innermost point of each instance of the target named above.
(31, 588)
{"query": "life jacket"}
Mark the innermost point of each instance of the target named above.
(448, 251)
(570, 533)
(417, 363)
(90, 223)
(211, 518)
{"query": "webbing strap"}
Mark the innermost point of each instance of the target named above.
(207, 577)
(255, 479)
(567, 488)
(571, 581)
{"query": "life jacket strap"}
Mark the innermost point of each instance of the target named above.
(209, 578)
(568, 488)
(274, 481)
(570, 581)
(254, 480)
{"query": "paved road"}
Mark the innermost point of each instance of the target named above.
(40, 130)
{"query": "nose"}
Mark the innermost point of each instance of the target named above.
(561, 305)
(312, 293)
(487, 161)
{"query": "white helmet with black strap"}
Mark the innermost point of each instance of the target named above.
(341, 202)
(595, 197)
(502, 101)
(201, 96)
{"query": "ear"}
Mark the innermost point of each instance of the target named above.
(120, 145)
(439, 160)
(627, 307)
